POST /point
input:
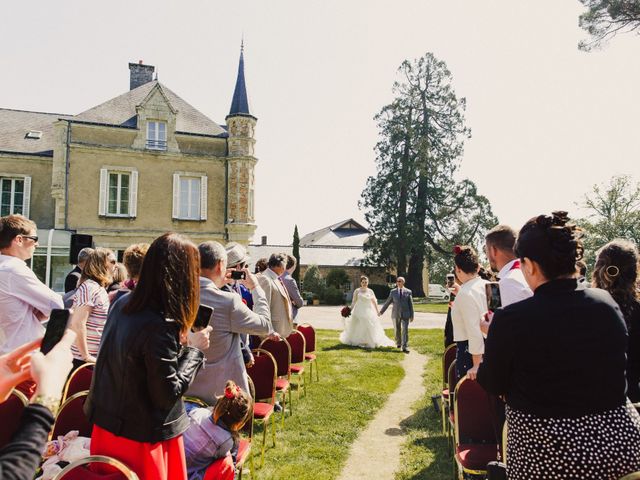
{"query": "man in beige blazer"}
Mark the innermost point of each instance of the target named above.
(277, 296)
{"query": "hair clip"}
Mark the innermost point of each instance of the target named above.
(613, 271)
(228, 392)
(457, 250)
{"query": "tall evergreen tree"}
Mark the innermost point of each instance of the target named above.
(414, 203)
(296, 253)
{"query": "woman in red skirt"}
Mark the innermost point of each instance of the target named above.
(145, 365)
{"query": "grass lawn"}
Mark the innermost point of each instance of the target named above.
(354, 384)
(431, 307)
(424, 454)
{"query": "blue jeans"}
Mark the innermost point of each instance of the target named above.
(464, 360)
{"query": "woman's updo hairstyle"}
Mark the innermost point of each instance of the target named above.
(552, 242)
(616, 271)
(466, 258)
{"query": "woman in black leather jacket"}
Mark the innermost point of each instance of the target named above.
(144, 367)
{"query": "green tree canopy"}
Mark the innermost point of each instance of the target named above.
(313, 281)
(337, 277)
(414, 203)
(613, 212)
(604, 19)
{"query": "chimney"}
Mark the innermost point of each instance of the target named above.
(263, 240)
(140, 74)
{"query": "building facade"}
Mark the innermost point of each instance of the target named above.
(130, 169)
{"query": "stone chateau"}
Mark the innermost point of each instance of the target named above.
(128, 170)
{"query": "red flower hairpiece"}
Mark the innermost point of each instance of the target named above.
(228, 392)
(457, 249)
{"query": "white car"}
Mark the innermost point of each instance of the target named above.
(438, 292)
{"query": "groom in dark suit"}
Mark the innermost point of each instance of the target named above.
(401, 312)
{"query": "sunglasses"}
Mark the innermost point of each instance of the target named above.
(30, 237)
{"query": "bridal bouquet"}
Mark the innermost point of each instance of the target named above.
(345, 312)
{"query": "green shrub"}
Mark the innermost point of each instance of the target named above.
(333, 296)
(313, 281)
(381, 291)
(337, 277)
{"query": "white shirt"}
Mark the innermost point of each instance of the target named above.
(513, 286)
(467, 310)
(21, 294)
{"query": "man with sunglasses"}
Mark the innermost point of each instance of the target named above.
(25, 302)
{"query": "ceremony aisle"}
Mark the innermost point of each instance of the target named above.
(354, 385)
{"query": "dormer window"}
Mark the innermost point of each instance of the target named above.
(156, 135)
(33, 135)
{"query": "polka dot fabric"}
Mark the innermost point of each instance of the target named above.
(600, 446)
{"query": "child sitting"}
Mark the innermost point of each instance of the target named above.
(213, 435)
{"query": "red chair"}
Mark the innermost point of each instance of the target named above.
(475, 433)
(11, 415)
(297, 343)
(448, 357)
(71, 417)
(221, 469)
(310, 348)
(281, 352)
(262, 376)
(79, 380)
(80, 470)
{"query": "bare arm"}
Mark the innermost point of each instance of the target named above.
(78, 323)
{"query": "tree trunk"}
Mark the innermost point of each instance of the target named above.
(401, 245)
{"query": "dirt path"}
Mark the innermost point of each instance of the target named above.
(376, 452)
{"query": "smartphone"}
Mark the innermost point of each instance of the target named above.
(202, 318)
(55, 329)
(238, 275)
(493, 296)
(450, 279)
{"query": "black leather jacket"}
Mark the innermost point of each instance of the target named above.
(140, 377)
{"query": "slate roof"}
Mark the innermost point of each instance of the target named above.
(14, 125)
(348, 233)
(121, 111)
(240, 101)
(321, 256)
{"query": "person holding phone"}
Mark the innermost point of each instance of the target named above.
(25, 302)
(467, 311)
(231, 319)
(91, 305)
(146, 364)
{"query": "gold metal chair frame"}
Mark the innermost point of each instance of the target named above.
(445, 381)
(300, 376)
(126, 471)
(272, 400)
(461, 470)
(75, 372)
(84, 393)
(23, 398)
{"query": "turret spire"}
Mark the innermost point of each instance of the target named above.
(240, 102)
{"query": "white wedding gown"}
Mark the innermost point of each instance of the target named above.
(363, 327)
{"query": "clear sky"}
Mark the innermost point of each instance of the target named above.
(548, 121)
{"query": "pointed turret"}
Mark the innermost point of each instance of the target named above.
(240, 102)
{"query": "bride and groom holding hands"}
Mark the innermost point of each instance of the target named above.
(364, 327)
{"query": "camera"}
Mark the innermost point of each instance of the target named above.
(238, 275)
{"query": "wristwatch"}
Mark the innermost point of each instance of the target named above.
(50, 403)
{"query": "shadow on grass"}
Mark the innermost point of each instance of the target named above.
(342, 346)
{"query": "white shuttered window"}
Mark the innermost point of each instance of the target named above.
(15, 195)
(118, 192)
(189, 196)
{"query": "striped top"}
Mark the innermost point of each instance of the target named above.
(90, 293)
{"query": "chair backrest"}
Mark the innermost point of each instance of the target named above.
(631, 476)
(78, 471)
(11, 414)
(297, 343)
(79, 381)
(448, 356)
(263, 373)
(474, 413)
(71, 417)
(309, 335)
(281, 352)
(452, 378)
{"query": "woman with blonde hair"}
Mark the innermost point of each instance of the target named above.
(616, 271)
(91, 305)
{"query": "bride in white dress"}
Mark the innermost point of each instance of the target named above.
(363, 327)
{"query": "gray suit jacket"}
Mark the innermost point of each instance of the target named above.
(402, 306)
(279, 302)
(293, 291)
(223, 358)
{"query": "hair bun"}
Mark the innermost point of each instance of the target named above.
(560, 218)
(544, 221)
